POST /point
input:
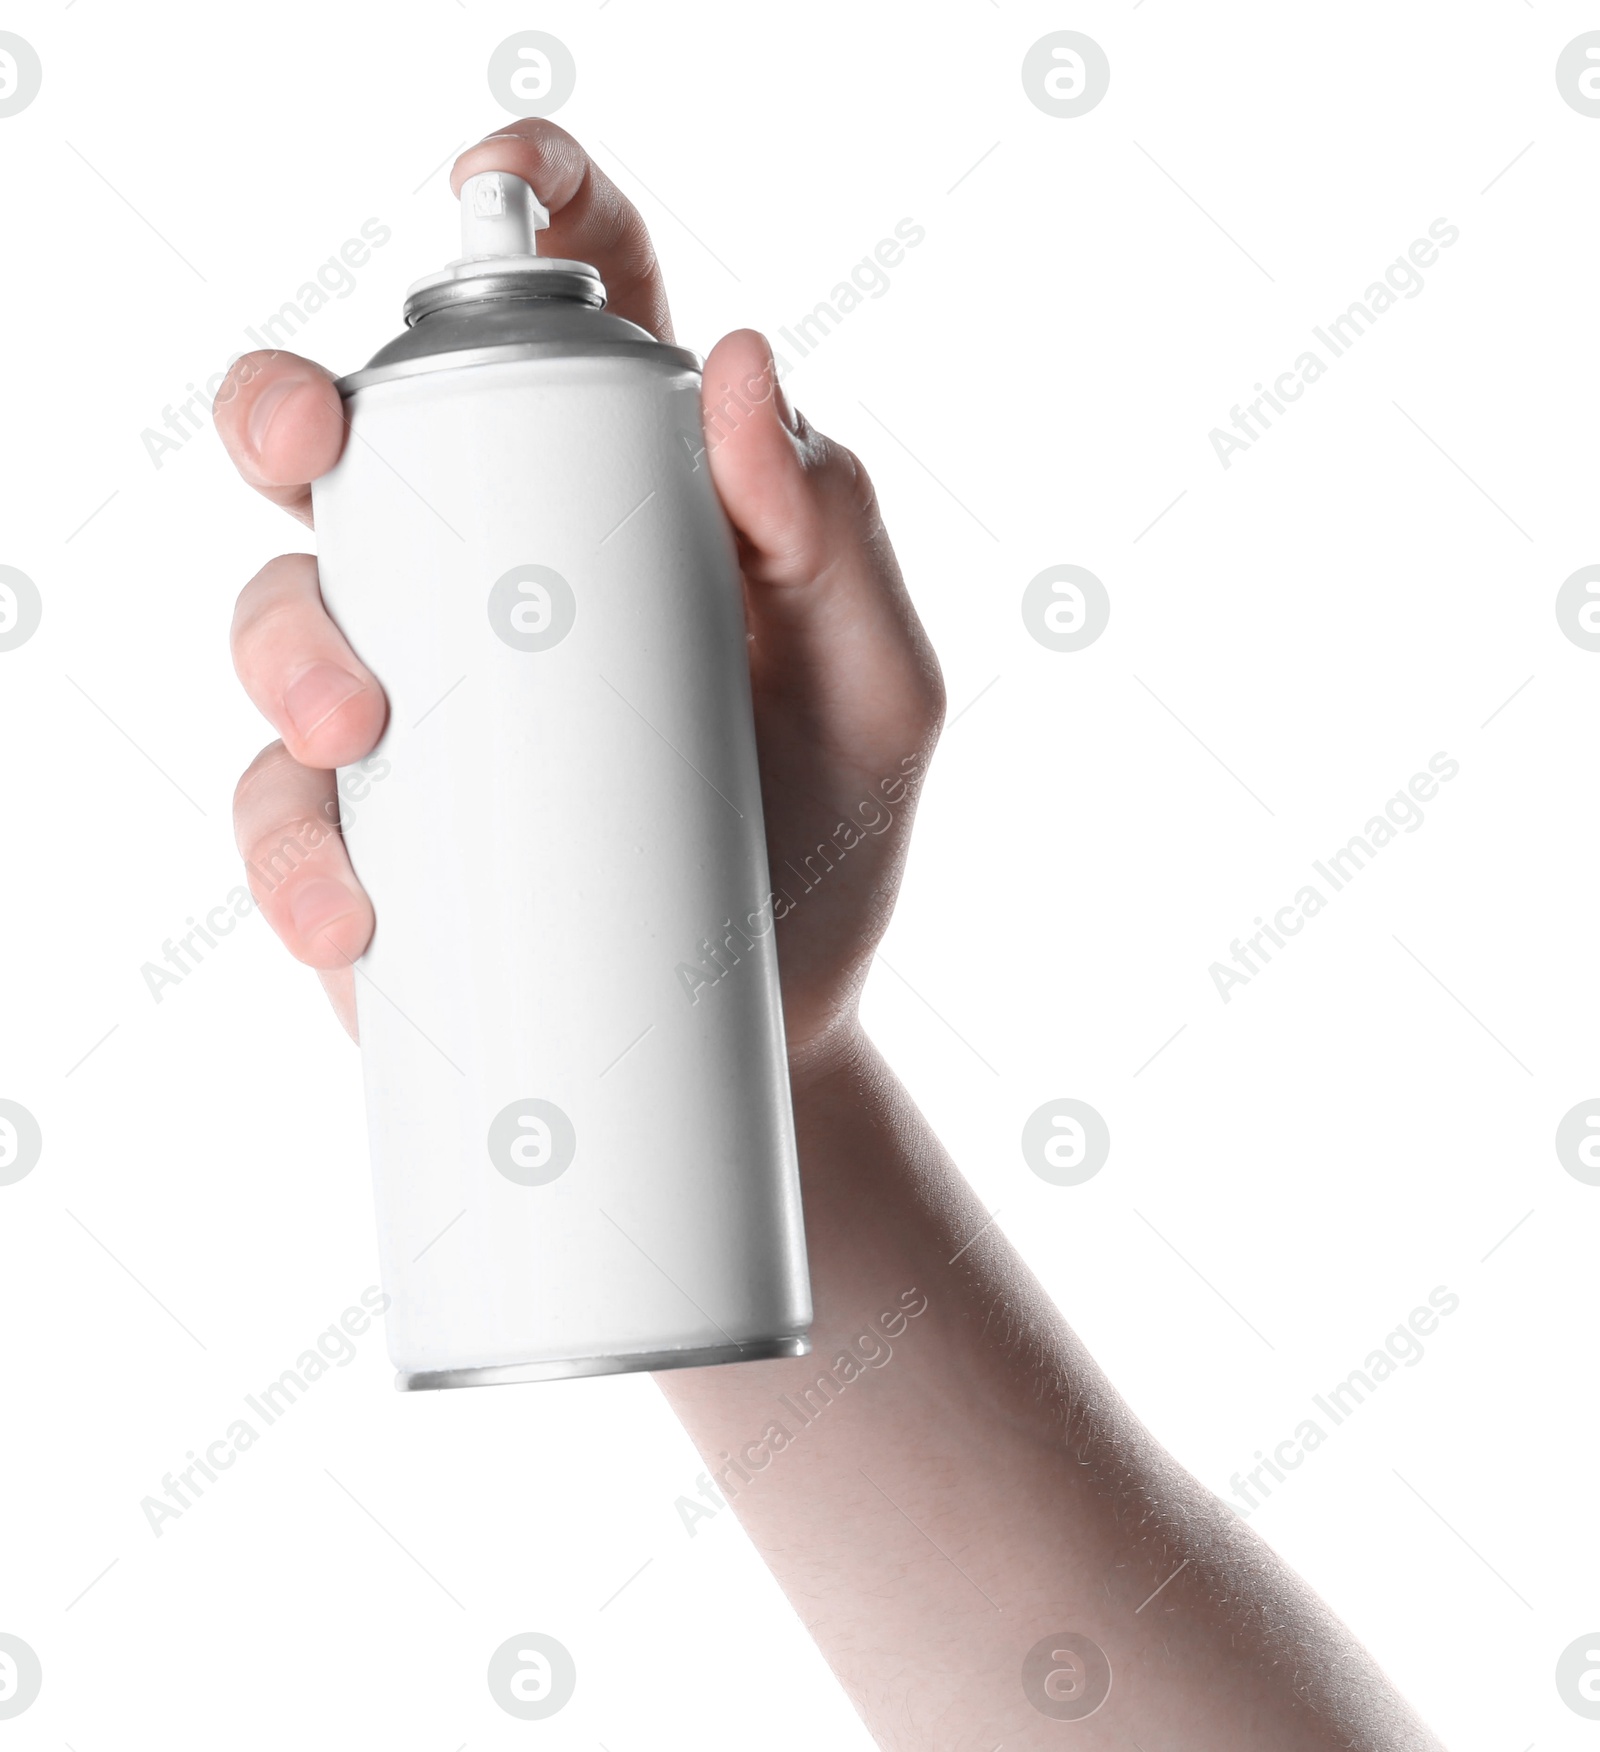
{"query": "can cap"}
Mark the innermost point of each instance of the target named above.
(501, 218)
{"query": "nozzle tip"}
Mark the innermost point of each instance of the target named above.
(500, 216)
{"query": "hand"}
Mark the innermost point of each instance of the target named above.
(994, 1427)
(848, 696)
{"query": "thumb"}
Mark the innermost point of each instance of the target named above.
(833, 630)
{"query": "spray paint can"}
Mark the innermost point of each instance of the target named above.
(583, 1156)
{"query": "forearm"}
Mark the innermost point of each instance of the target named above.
(948, 1480)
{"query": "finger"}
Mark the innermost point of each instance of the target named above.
(591, 220)
(280, 416)
(833, 629)
(281, 420)
(286, 822)
(297, 668)
(340, 985)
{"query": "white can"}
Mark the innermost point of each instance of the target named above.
(583, 1155)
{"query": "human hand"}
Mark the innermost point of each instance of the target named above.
(848, 696)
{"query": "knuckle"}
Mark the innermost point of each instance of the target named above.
(273, 763)
(276, 593)
(844, 485)
(274, 854)
(841, 497)
(838, 468)
(273, 798)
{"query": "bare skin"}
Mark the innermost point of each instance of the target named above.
(967, 1484)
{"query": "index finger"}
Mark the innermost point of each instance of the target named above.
(280, 416)
(591, 220)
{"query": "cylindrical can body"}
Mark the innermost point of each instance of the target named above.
(577, 1093)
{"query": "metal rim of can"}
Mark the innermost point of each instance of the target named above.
(750, 1350)
(462, 358)
(572, 282)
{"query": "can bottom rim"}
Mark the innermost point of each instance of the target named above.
(566, 1368)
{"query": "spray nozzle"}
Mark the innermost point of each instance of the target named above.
(500, 216)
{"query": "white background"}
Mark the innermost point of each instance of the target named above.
(1364, 1121)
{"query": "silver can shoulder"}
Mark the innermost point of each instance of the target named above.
(491, 331)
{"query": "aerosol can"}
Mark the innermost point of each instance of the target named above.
(584, 1161)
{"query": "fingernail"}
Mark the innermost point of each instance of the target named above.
(779, 400)
(315, 905)
(317, 695)
(265, 407)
